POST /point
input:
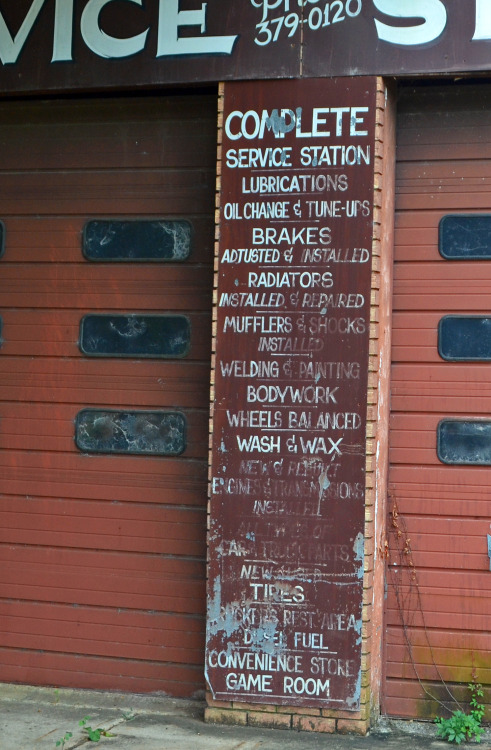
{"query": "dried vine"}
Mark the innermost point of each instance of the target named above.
(409, 604)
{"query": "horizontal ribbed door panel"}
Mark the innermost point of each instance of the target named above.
(438, 613)
(102, 571)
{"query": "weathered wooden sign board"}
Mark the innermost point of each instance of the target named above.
(106, 44)
(287, 504)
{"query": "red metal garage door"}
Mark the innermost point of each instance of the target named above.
(102, 554)
(439, 633)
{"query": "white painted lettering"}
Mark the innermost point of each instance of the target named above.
(169, 41)
(63, 31)
(334, 156)
(301, 686)
(314, 641)
(271, 394)
(11, 47)
(243, 369)
(301, 183)
(483, 20)
(101, 43)
(432, 11)
(269, 592)
(253, 125)
(261, 444)
(254, 419)
(249, 683)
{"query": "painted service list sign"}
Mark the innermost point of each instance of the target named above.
(287, 505)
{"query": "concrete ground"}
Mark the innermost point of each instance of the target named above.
(37, 718)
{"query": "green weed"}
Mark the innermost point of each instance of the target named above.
(94, 735)
(61, 742)
(461, 727)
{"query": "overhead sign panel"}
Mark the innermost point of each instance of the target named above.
(98, 44)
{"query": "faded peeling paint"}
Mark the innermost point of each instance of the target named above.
(353, 702)
(288, 494)
(359, 550)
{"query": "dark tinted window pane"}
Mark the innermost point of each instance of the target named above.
(465, 237)
(464, 442)
(137, 240)
(151, 433)
(465, 338)
(135, 335)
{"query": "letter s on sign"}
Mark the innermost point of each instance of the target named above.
(432, 11)
(483, 20)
